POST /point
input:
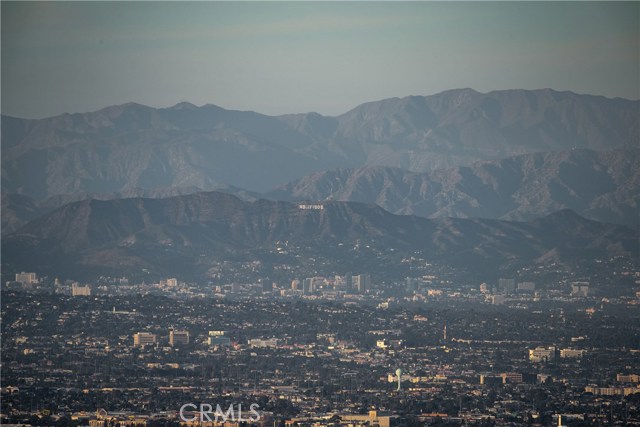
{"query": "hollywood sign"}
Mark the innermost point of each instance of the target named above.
(311, 206)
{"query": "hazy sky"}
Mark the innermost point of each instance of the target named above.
(328, 57)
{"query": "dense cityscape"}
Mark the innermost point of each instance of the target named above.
(322, 351)
(320, 214)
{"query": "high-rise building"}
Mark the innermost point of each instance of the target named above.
(295, 284)
(361, 282)
(348, 284)
(526, 287)
(80, 291)
(308, 286)
(267, 285)
(339, 282)
(143, 338)
(177, 338)
(411, 284)
(169, 282)
(26, 278)
(580, 289)
(507, 286)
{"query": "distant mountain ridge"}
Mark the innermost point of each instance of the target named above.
(601, 185)
(133, 146)
(186, 234)
(604, 186)
(457, 127)
(17, 209)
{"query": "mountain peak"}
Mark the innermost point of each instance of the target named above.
(565, 218)
(184, 106)
(125, 106)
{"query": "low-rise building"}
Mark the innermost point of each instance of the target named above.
(142, 339)
(542, 354)
(178, 338)
(263, 343)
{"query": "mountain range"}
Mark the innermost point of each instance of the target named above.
(189, 234)
(601, 185)
(133, 146)
(467, 178)
(18, 209)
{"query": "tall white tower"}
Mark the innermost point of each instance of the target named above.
(399, 375)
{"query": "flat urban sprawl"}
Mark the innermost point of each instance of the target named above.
(325, 350)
